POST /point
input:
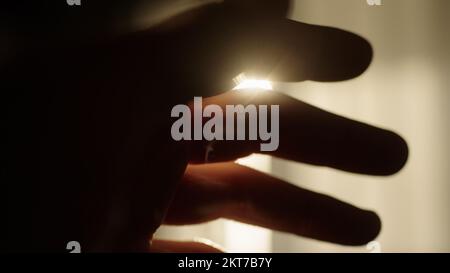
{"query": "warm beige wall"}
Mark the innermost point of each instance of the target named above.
(406, 89)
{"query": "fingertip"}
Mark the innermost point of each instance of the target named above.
(402, 155)
(364, 229)
(363, 53)
(357, 55)
(377, 152)
(372, 228)
(342, 56)
(395, 154)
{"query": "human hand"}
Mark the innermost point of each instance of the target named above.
(101, 165)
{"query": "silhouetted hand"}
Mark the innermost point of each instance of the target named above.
(91, 158)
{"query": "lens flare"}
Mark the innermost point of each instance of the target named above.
(243, 83)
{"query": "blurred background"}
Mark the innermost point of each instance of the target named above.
(406, 89)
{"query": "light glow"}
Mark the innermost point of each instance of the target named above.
(243, 238)
(243, 83)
